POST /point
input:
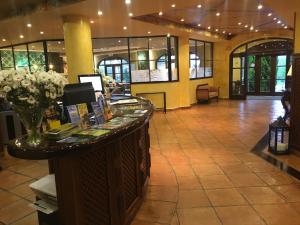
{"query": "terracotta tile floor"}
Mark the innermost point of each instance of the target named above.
(202, 171)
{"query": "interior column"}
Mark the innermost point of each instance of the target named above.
(295, 99)
(184, 72)
(78, 45)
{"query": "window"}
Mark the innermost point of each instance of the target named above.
(201, 59)
(57, 60)
(137, 60)
(37, 61)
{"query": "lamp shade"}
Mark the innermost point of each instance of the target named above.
(290, 73)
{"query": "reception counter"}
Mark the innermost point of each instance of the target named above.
(100, 182)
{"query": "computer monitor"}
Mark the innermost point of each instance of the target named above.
(95, 79)
(79, 93)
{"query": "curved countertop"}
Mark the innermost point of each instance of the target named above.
(49, 149)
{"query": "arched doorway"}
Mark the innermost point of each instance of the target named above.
(117, 68)
(260, 68)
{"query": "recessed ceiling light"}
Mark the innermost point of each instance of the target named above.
(230, 33)
(270, 14)
(182, 20)
(124, 28)
(21, 36)
(100, 13)
(251, 28)
(41, 32)
(246, 26)
(286, 27)
(173, 5)
(59, 42)
(29, 25)
(160, 13)
(274, 18)
(3, 39)
(279, 22)
(199, 6)
(92, 21)
(127, 2)
(218, 14)
(224, 32)
(150, 39)
(149, 32)
(217, 30)
(239, 23)
(260, 6)
(256, 30)
(168, 35)
(199, 25)
(119, 41)
(282, 24)
(209, 27)
(130, 14)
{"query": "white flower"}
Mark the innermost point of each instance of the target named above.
(31, 100)
(22, 98)
(47, 94)
(7, 89)
(25, 83)
(53, 95)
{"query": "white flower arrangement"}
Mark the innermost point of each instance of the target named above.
(108, 80)
(37, 90)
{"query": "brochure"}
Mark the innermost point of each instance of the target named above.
(99, 117)
(73, 114)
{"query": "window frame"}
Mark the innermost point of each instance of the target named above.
(211, 60)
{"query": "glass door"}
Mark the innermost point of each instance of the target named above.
(281, 71)
(251, 78)
(265, 75)
(238, 89)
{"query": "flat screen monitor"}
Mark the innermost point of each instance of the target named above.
(79, 93)
(95, 79)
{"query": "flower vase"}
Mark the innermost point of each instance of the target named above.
(32, 120)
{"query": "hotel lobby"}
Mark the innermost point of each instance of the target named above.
(187, 112)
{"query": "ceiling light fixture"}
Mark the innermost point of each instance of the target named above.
(3, 39)
(100, 13)
(29, 25)
(21, 36)
(182, 20)
(199, 25)
(168, 35)
(286, 27)
(173, 5)
(209, 27)
(279, 22)
(119, 41)
(256, 30)
(239, 23)
(199, 6)
(246, 26)
(230, 34)
(130, 14)
(127, 2)
(282, 24)
(224, 32)
(149, 32)
(41, 32)
(274, 18)
(260, 6)
(251, 28)
(92, 21)
(124, 28)
(218, 14)
(217, 30)
(270, 14)
(160, 13)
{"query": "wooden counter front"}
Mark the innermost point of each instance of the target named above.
(99, 183)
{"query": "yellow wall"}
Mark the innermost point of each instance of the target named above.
(222, 51)
(78, 44)
(297, 33)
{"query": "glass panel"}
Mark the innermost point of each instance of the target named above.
(281, 72)
(236, 62)
(251, 80)
(37, 57)
(7, 59)
(236, 74)
(280, 85)
(251, 60)
(281, 60)
(158, 47)
(174, 55)
(200, 50)
(240, 49)
(21, 57)
(193, 69)
(208, 68)
(193, 53)
(208, 51)
(265, 75)
(57, 60)
(109, 70)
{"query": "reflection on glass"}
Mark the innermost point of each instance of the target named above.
(37, 57)
(21, 57)
(57, 60)
(7, 59)
(265, 76)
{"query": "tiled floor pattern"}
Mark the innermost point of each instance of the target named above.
(202, 171)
